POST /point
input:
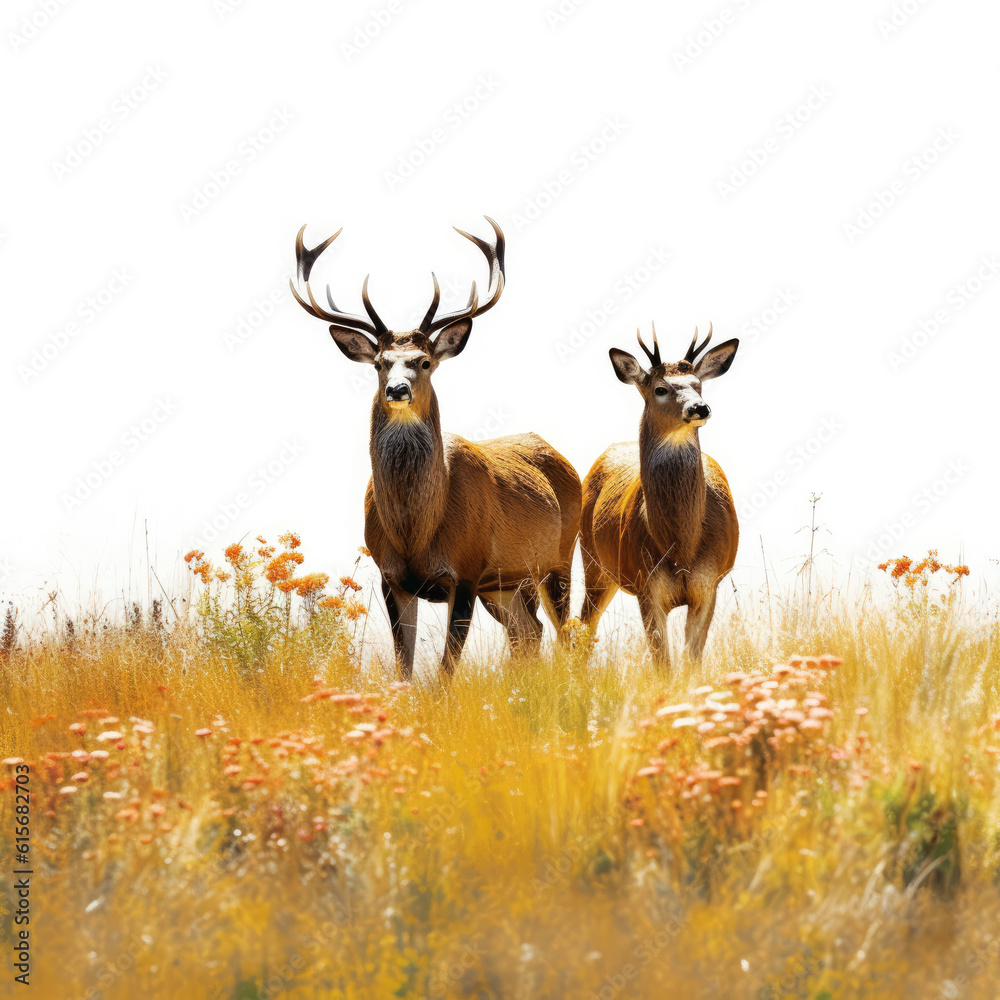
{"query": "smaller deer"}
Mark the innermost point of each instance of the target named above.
(658, 519)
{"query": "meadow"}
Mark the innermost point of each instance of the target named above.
(229, 801)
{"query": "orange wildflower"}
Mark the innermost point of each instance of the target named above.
(919, 574)
(279, 567)
(311, 583)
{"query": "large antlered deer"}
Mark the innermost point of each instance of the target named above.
(658, 519)
(447, 519)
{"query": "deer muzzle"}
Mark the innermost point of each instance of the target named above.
(399, 392)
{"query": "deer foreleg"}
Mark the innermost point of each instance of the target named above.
(517, 611)
(699, 618)
(654, 618)
(402, 608)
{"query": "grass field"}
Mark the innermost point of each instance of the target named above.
(232, 806)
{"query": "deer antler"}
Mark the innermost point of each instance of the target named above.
(654, 354)
(305, 259)
(493, 252)
(693, 351)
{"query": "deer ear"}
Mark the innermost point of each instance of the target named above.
(717, 361)
(354, 345)
(451, 341)
(627, 368)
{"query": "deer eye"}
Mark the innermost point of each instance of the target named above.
(378, 367)
(662, 390)
(426, 364)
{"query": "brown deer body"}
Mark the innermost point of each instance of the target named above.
(446, 519)
(658, 519)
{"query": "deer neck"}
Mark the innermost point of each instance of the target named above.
(673, 487)
(409, 475)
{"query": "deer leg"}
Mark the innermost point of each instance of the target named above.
(654, 618)
(526, 630)
(460, 604)
(517, 611)
(599, 590)
(492, 603)
(699, 617)
(554, 593)
(402, 608)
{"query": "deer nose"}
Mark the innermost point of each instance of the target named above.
(700, 412)
(400, 392)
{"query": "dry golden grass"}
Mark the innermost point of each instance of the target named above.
(301, 827)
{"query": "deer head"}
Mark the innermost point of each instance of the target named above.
(672, 391)
(405, 361)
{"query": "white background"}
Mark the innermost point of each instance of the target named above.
(695, 91)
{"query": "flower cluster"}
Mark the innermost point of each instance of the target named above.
(728, 742)
(350, 753)
(277, 569)
(107, 769)
(918, 574)
(257, 619)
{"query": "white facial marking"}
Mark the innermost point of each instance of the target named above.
(685, 393)
(400, 366)
(396, 363)
(687, 389)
